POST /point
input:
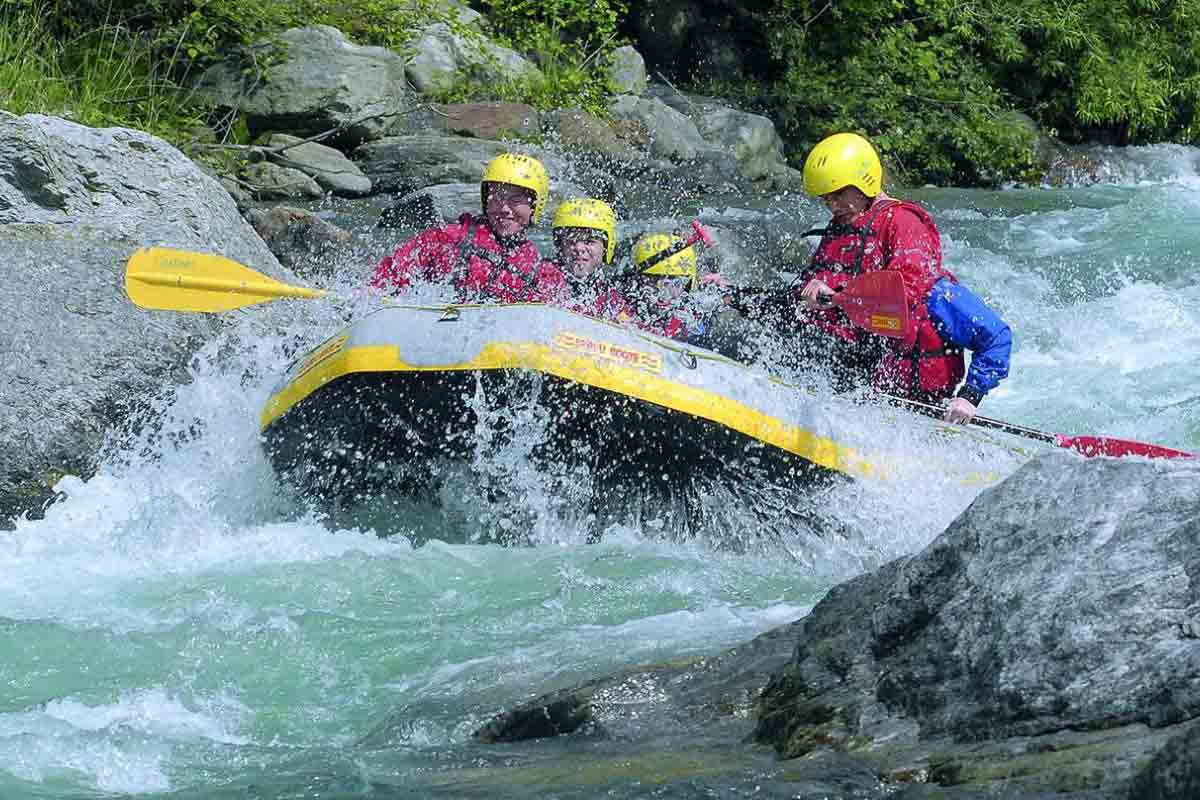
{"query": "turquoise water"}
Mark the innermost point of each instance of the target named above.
(178, 627)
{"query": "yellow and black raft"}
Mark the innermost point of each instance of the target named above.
(405, 388)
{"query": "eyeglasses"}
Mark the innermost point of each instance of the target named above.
(513, 198)
(564, 237)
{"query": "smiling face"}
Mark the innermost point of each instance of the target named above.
(580, 250)
(508, 209)
(846, 203)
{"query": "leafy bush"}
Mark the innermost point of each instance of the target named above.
(931, 81)
(569, 39)
(586, 25)
(104, 77)
(565, 81)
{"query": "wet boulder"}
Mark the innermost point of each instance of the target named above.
(403, 164)
(269, 181)
(328, 167)
(301, 239)
(324, 82)
(443, 55)
(1044, 643)
(491, 120)
(627, 70)
(751, 139)
(671, 134)
(77, 357)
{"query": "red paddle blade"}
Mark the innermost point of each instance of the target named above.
(876, 302)
(1091, 446)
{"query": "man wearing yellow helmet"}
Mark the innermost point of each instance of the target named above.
(485, 257)
(585, 241)
(665, 272)
(870, 232)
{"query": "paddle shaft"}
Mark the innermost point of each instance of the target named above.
(255, 288)
(931, 410)
(1087, 446)
(701, 235)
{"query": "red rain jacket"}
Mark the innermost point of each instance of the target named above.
(901, 236)
(467, 254)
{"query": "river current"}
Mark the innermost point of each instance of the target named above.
(177, 627)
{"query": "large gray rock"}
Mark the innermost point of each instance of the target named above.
(1052, 626)
(403, 164)
(627, 70)
(491, 120)
(301, 240)
(78, 357)
(327, 166)
(268, 181)
(671, 134)
(578, 131)
(443, 56)
(1044, 646)
(324, 82)
(750, 138)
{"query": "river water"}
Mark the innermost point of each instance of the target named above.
(178, 627)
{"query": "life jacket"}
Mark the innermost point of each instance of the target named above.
(505, 281)
(467, 255)
(919, 365)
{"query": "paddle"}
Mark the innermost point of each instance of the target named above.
(875, 302)
(180, 280)
(1088, 446)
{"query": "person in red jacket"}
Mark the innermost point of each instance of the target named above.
(870, 231)
(585, 240)
(486, 258)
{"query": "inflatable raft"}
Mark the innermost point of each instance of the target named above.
(387, 403)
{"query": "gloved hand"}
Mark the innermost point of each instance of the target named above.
(816, 293)
(959, 410)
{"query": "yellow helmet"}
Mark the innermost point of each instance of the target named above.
(651, 244)
(589, 213)
(841, 160)
(518, 170)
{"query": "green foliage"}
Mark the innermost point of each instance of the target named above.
(564, 82)
(126, 62)
(586, 25)
(199, 31)
(931, 81)
(568, 39)
(104, 77)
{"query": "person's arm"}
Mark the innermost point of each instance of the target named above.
(411, 260)
(963, 319)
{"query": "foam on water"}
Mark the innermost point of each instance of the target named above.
(179, 619)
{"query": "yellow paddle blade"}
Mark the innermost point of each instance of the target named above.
(180, 280)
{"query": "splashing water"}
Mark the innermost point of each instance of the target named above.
(178, 625)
